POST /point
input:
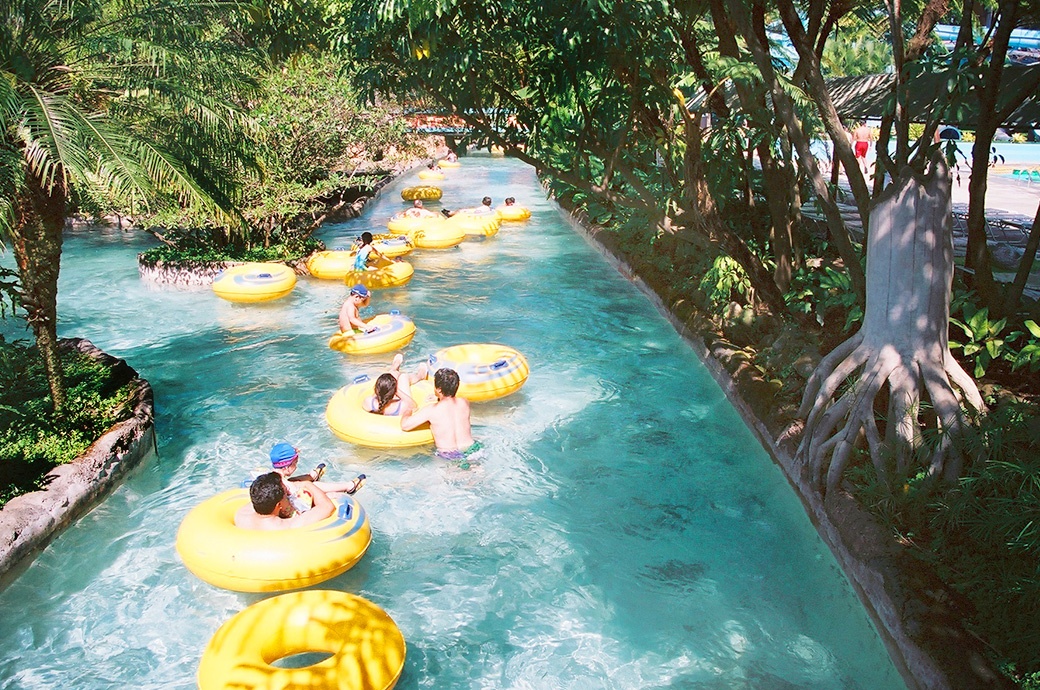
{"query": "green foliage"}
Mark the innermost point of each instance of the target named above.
(295, 247)
(983, 535)
(10, 296)
(32, 439)
(984, 341)
(856, 53)
(826, 292)
(315, 145)
(1029, 355)
(122, 100)
(724, 279)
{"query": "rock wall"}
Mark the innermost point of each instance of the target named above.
(30, 521)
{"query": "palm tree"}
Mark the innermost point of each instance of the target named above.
(109, 100)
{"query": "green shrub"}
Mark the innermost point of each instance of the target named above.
(724, 281)
(826, 292)
(192, 254)
(32, 439)
(983, 534)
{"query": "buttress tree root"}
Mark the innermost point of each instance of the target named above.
(902, 348)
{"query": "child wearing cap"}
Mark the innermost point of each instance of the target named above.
(285, 459)
(349, 316)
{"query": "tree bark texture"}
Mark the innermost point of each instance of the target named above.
(902, 345)
(36, 243)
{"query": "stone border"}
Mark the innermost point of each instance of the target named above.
(202, 274)
(918, 616)
(29, 522)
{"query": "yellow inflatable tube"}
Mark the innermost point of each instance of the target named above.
(426, 192)
(390, 274)
(431, 175)
(438, 235)
(475, 224)
(254, 282)
(393, 332)
(405, 222)
(335, 264)
(367, 647)
(246, 560)
(348, 418)
(449, 164)
(486, 371)
(513, 213)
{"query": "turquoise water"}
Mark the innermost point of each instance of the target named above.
(625, 531)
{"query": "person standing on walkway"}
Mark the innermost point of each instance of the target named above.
(861, 138)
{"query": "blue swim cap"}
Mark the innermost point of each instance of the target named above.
(283, 455)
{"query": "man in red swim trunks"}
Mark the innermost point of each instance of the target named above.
(861, 138)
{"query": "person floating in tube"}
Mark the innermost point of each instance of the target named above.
(448, 419)
(285, 459)
(365, 253)
(417, 210)
(483, 209)
(392, 395)
(271, 509)
(350, 320)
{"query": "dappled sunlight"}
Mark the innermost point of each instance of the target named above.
(366, 648)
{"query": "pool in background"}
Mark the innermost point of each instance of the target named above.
(625, 531)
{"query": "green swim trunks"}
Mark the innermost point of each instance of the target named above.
(461, 454)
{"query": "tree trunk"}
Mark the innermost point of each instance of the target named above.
(36, 241)
(780, 182)
(753, 30)
(1024, 267)
(903, 343)
(808, 63)
(977, 257)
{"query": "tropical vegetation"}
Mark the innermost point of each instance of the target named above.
(115, 103)
(687, 130)
(32, 440)
(319, 152)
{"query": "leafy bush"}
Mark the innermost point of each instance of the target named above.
(191, 253)
(983, 535)
(826, 292)
(32, 439)
(723, 280)
(984, 341)
(1029, 355)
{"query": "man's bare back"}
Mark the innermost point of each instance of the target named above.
(450, 424)
(449, 417)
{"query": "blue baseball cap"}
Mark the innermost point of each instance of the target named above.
(359, 290)
(283, 455)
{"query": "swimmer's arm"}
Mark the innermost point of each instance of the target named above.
(381, 255)
(349, 319)
(414, 419)
(345, 316)
(323, 506)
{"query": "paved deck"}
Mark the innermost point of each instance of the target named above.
(1011, 205)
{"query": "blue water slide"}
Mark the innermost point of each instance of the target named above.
(1021, 39)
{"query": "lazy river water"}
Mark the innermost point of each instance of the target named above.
(625, 531)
